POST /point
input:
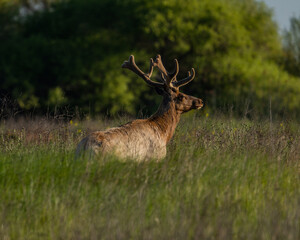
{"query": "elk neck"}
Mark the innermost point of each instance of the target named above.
(166, 118)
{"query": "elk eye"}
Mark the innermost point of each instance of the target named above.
(180, 97)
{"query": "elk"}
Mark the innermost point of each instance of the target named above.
(143, 139)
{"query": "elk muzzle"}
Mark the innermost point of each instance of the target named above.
(197, 103)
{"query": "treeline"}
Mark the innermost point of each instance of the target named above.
(69, 53)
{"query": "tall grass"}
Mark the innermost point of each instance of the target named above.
(222, 179)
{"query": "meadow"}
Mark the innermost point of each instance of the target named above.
(223, 178)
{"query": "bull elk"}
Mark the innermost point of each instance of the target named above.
(146, 138)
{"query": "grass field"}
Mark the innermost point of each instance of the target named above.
(222, 179)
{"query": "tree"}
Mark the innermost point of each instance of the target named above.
(292, 47)
(72, 50)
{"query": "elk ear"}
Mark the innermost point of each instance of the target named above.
(159, 90)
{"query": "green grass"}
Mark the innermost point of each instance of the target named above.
(222, 179)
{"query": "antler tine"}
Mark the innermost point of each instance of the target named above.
(185, 80)
(130, 64)
(167, 77)
(164, 73)
(173, 75)
(151, 67)
(163, 78)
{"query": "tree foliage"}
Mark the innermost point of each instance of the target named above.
(292, 47)
(70, 52)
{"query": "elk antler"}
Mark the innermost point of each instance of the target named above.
(169, 79)
(185, 81)
(130, 64)
(165, 75)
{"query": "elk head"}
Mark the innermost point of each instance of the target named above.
(168, 86)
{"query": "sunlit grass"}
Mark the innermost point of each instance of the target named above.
(222, 179)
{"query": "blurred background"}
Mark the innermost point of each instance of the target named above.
(66, 55)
